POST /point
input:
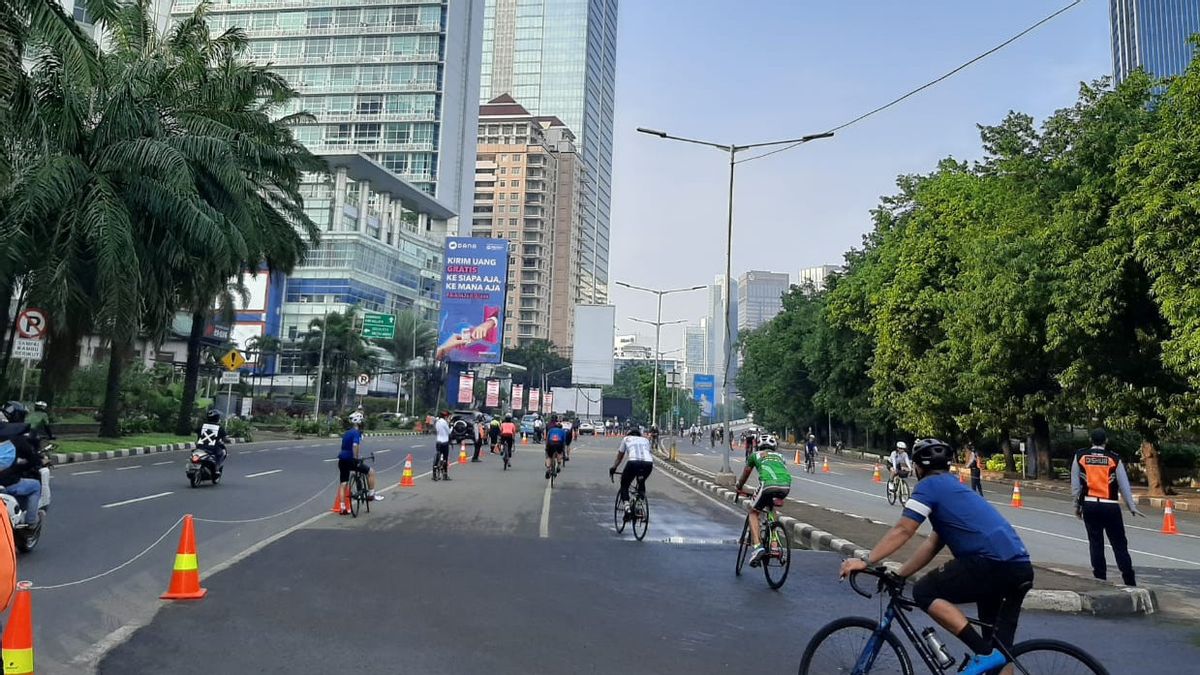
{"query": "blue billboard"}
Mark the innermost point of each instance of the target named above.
(704, 390)
(474, 283)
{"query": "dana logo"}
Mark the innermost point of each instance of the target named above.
(454, 245)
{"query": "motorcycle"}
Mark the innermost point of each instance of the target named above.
(203, 466)
(26, 537)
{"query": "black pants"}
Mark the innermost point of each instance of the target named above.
(1100, 519)
(638, 470)
(442, 454)
(997, 588)
(478, 445)
(977, 483)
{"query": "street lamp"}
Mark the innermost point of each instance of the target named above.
(657, 332)
(726, 474)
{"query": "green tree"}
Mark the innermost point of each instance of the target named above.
(403, 347)
(539, 358)
(346, 353)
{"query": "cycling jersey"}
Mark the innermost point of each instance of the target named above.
(508, 429)
(771, 467)
(349, 440)
(900, 458)
(637, 449)
(967, 524)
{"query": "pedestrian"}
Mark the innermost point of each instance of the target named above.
(975, 464)
(1098, 479)
(479, 433)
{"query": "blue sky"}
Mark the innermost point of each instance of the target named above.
(746, 71)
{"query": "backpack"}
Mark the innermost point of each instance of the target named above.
(556, 435)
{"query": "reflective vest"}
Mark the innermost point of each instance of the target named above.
(1098, 473)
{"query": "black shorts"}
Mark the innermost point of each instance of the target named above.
(766, 496)
(554, 449)
(345, 466)
(997, 587)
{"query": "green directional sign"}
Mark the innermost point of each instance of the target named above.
(378, 326)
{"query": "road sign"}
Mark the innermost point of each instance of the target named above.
(27, 348)
(231, 377)
(233, 361)
(378, 326)
(361, 384)
(247, 406)
(32, 324)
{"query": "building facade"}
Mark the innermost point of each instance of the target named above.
(1153, 35)
(717, 331)
(695, 356)
(558, 58)
(815, 277)
(760, 298)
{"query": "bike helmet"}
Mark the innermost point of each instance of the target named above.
(932, 454)
(213, 416)
(901, 445)
(356, 418)
(508, 418)
(41, 406)
(635, 432)
(767, 442)
(14, 412)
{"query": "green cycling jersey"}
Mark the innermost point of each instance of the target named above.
(772, 468)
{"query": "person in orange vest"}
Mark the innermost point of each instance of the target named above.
(1097, 478)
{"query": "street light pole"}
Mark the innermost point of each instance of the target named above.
(658, 332)
(726, 474)
(321, 367)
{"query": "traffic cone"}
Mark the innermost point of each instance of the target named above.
(524, 439)
(18, 634)
(462, 453)
(406, 480)
(825, 466)
(876, 477)
(338, 505)
(962, 475)
(797, 460)
(1016, 498)
(1169, 519)
(185, 577)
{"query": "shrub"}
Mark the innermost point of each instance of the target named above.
(240, 428)
(996, 462)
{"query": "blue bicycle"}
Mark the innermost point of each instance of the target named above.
(861, 646)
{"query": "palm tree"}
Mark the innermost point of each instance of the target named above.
(266, 346)
(414, 337)
(345, 353)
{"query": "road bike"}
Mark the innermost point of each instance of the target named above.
(441, 466)
(858, 645)
(897, 489)
(778, 544)
(359, 493)
(810, 462)
(556, 464)
(506, 450)
(635, 511)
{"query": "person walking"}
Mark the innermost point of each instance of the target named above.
(1097, 479)
(975, 464)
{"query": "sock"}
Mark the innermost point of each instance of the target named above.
(974, 641)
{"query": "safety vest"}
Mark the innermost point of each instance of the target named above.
(1098, 473)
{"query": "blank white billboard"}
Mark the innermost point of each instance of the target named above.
(592, 356)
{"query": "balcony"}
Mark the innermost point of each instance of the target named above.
(337, 31)
(187, 6)
(337, 60)
(369, 146)
(359, 88)
(343, 116)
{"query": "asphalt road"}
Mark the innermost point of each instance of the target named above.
(495, 573)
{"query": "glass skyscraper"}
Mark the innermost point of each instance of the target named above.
(1152, 35)
(558, 58)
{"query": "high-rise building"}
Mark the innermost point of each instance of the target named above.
(760, 298)
(526, 172)
(694, 352)
(716, 331)
(1153, 35)
(558, 57)
(815, 277)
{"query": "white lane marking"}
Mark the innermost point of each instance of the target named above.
(263, 473)
(127, 468)
(85, 473)
(711, 496)
(1071, 515)
(380, 452)
(169, 461)
(418, 446)
(137, 499)
(544, 527)
(263, 450)
(334, 459)
(1084, 541)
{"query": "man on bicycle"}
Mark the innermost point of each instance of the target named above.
(810, 449)
(441, 442)
(774, 482)
(349, 459)
(991, 566)
(556, 442)
(494, 433)
(508, 435)
(639, 464)
(899, 463)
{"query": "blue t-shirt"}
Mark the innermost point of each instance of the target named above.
(967, 524)
(349, 439)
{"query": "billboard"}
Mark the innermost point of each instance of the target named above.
(592, 351)
(547, 402)
(620, 408)
(704, 390)
(466, 388)
(493, 394)
(534, 401)
(474, 281)
(518, 397)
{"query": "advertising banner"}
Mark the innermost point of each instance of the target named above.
(592, 356)
(474, 281)
(518, 397)
(704, 390)
(548, 403)
(493, 394)
(534, 400)
(466, 388)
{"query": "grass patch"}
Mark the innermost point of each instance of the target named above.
(101, 444)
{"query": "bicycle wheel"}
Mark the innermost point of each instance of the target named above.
(1035, 657)
(891, 492)
(903, 493)
(619, 515)
(506, 450)
(743, 547)
(837, 647)
(641, 518)
(778, 560)
(352, 495)
(363, 492)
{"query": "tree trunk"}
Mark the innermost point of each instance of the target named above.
(1041, 442)
(1010, 462)
(1152, 465)
(62, 351)
(191, 375)
(110, 419)
(8, 326)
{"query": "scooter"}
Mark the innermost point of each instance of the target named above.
(26, 537)
(203, 466)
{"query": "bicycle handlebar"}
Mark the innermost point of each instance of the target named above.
(611, 476)
(887, 580)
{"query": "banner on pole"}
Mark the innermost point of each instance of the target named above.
(534, 399)
(466, 388)
(704, 390)
(518, 397)
(548, 403)
(493, 394)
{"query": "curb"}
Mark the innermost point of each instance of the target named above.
(78, 457)
(1115, 602)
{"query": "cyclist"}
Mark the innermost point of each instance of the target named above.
(441, 442)
(991, 565)
(494, 433)
(508, 435)
(774, 482)
(556, 442)
(899, 463)
(810, 449)
(640, 465)
(654, 437)
(349, 459)
(569, 427)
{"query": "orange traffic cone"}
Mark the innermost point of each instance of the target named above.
(962, 475)
(406, 480)
(825, 466)
(797, 460)
(524, 439)
(877, 478)
(338, 505)
(18, 635)
(1016, 498)
(185, 578)
(462, 453)
(1169, 519)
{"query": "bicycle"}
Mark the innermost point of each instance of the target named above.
(441, 467)
(506, 450)
(897, 489)
(859, 645)
(637, 511)
(810, 462)
(359, 494)
(778, 560)
(555, 467)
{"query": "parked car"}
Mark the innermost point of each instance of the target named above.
(527, 424)
(587, 428)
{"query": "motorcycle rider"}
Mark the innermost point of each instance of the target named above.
(16, 479)
(211, 436)
(39, 420)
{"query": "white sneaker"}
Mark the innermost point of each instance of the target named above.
(375, 497)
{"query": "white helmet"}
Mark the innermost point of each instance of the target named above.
(356, 418)
(766, 441)
(901, 445)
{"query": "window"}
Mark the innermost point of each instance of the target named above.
(502, 184)
(512, 222)
(375, 17)
(345, 47)
(316, 77)
(288, 49)
(344, 18)
(337, 134)
(342, 76)
(341, 105)
(503, 158)
(516, 196)
(503, 169)
(370, 105)
(292, 21)
(320, 18)
(514, 208)
(317, 47)
(500, 196)
(515, 183)
(374, 46)
(371, 75)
